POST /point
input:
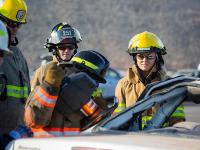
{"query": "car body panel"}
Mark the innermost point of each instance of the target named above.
(108, 142)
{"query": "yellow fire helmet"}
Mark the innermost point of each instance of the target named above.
(146, 42)
(13, 10)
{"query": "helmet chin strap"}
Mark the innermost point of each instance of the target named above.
(15, 42)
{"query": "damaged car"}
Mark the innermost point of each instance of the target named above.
(125, 131)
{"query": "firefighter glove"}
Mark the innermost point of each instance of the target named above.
(54, 74)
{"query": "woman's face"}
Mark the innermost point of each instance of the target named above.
(145, 61)
(13, 29)
(66, 51)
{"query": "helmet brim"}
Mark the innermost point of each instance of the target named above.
(136, 50)
(90, 71)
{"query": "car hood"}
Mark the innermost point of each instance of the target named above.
(117, 141)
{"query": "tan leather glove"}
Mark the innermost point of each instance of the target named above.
(54, 74)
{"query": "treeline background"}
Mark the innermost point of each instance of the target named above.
(108, 25)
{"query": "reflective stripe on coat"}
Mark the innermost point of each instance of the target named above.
(43, 119)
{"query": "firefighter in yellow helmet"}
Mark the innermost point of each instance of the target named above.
(62, 104)
(147, 50)
(13, 14)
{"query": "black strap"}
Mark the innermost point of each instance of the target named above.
(21, 76)
(3, 89)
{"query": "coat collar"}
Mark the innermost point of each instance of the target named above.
(133, 75)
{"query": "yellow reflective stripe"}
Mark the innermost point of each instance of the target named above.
(60, 27)
(179, 112)
(17, 91)
(178, 115)
(180, 108)
(83, 61)
(145, 119)
(97, 92)
(118, 110)
(121, 107)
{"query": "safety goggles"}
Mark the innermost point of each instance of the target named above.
(63, 47)
(147, 56)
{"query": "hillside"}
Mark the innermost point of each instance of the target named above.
(108, 25)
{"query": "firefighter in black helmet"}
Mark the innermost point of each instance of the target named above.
(93, 63)
(96, 66)
(64, 107)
